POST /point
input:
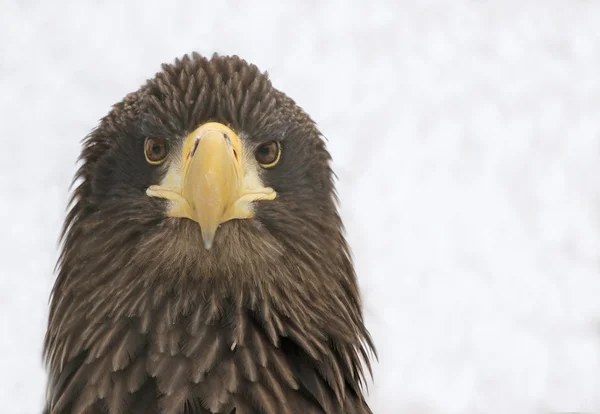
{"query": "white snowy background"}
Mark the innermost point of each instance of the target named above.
(466, 137)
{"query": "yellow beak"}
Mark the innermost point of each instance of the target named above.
(210, 184)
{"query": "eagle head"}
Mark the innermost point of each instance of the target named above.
(204, 267)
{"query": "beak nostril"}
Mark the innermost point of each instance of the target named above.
(194, 148)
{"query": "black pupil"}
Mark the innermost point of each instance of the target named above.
(155, 150)
(267, 152)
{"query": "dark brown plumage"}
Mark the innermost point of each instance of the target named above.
(145, 319)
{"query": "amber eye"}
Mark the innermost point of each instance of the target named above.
(155, 150)
(268, 153)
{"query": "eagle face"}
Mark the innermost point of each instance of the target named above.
(212, 142)
(204, 268)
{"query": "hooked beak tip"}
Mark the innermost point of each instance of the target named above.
(208, 239)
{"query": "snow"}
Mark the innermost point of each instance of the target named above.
(466, 138)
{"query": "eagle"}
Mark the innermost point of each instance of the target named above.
(203, 264)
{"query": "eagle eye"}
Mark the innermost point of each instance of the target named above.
(155, 150)
(268, 153)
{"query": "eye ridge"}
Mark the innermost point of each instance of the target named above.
(268, 154)
(155, 150)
